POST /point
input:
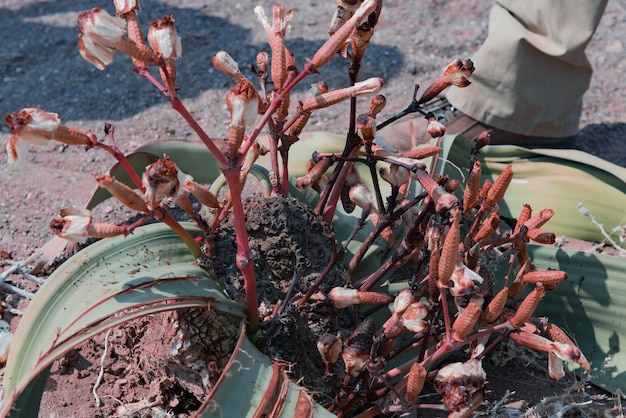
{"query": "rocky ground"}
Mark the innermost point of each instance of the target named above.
(40, 67)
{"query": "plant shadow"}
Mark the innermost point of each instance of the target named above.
(42, 68)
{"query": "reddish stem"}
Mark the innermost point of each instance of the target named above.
(274, 105)
(231, 173)
(335, 194)
(244, 259)
(145, 73)
(178, 106)
(123, 161)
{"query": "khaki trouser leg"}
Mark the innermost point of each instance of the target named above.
(531, 71)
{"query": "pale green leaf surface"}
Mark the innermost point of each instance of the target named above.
(132, 275)
(555, 179)
(247, 379)
(590, 306)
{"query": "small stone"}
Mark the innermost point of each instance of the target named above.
(614, 47)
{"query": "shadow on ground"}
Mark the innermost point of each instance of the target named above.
(605, 140)
(39, 49)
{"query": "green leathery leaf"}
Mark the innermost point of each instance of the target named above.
(252, 385)
(542, 178)
(147, 272)
(590, 306)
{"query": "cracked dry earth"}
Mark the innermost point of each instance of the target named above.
(40, 67)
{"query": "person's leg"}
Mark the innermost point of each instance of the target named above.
(531, 71)
(531, 74)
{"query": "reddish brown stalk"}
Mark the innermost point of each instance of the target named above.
(335, 194)
(123, 161)
(243, 257)
(178, 105)
(443, 349)
(380, 227)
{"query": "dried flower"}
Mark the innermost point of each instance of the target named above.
(329, 347)
(162, 179)
(344, 11)
(555, 367)
(33, 125)
(558, 335)
(243, 104)
(465, 280)
(361, 196)
(360, 38)
(262, 61)
(357, 349)
(435, 128)
(457, 73)
(366, 125)
(395, 175)
(72, 225)
(338, 39)
(164, 39)
(413, 317)
(99, 34)
(226, 64)
(126, 6)
(460, 384)
(343, 297)
(16, 150)
(403, 300)
(377, 104)
(77, 225)
(102, 34)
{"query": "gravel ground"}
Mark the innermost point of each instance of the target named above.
(40, 67)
